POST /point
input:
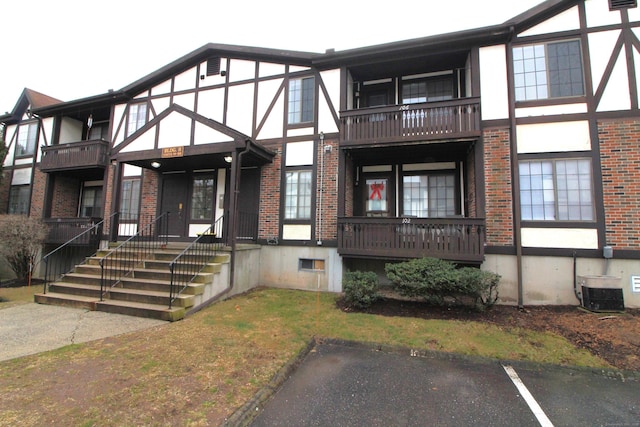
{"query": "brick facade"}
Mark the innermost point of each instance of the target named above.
(328, 184)
(148, 195)
(64, 203)
(470, 178)
(5, 186)
(497, 175)
(269, 218)
(38, 186)
(620, 158)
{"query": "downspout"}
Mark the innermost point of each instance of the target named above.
(321, 190)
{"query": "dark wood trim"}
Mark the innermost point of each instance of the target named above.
(495, 124)
(559, 224)
(556, 155)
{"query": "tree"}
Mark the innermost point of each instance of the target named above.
(3, 150)
(21, 238)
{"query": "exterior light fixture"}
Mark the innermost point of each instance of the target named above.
(155, 165)
(228, 158)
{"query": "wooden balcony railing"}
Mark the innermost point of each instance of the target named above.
(454, 239)
(76, 155)
(61, 230)
(411, 122)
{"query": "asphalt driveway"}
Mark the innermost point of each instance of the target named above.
(32, 328)
(343, 384)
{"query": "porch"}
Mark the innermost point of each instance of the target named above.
(454, 239)
(73, 156)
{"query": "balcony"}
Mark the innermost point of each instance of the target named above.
(74, 156)
(454, 239)
(445, 120)
(61, 230)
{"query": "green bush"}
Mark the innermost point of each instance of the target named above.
(360, 288)
(438, 282)
(20, 240)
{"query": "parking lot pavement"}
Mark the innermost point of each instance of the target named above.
(352, 385)
(32, 328)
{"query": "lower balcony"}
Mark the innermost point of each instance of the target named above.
(74, 156)
(454, 239)
(61, 230)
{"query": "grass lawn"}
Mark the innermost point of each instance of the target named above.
(200, 370)
(20, 295)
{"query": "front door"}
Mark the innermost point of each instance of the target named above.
(174, 198)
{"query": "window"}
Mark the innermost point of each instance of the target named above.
(19, 199)
(129, 203)
(301, 100)
(137, 117)
(98, 131)
(297, 204)
(91, 202)
(429, 196)
(377, 201)
(202, 198)
(553, 190)
(27, 138)
(550, 70)
(430, 90)
(311, 264)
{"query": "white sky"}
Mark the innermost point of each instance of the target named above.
(72, 49)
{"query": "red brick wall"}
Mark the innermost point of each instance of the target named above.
(5, 186)
(470, 178)
(148, 196)
(109, 206)
(348, 190)
(497, 172)
(327, 230)
(66, 192)
(620, 157)
(269, 218)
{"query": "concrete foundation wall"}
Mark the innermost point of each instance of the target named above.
(247, 270)
(549, 280)
(280, 267)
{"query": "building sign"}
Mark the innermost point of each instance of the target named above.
(172, 152)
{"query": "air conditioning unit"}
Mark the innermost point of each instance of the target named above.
(601, 293)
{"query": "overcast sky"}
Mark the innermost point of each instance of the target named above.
(72, 49)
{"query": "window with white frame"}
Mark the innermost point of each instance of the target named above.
(429, 196)
(19, 199)
(27, 139)
(202, 198)
(301, 96)
(297, 203)
(130, 200)
(550, 70)
(137, 117)
(556, 190)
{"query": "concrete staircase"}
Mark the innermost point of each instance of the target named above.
(144, 292)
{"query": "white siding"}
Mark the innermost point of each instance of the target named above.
(493, 83)
(268, 69)
(241, 70)
(239, 115)
(600, 47)
(326, 123)
(162, 88)
(553, 137)
(296, 232)
(598, 13)
(551, 110)
(175, 130)
(616, 94)
(186, 80)
(568, 20)
(299, 153)
(211, 104)
(578, 238)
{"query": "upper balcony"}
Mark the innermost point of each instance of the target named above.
(74, 156)
(452, 119)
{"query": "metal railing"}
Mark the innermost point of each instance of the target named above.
(185, 267)
(122, 260)
(62, 230)
(74, 251)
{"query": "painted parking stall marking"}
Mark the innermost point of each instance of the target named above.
(533, 404)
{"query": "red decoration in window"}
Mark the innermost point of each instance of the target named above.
(376, 191)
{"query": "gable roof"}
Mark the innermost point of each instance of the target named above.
(28, 99)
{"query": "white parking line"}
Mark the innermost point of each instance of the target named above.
(533, 405)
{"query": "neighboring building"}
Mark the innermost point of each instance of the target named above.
(514, 147)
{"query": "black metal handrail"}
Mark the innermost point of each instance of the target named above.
(122, 260)
(185, 267)
(65, 257)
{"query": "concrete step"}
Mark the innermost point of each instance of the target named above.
(67, 300)
(142, 310)
(149, 297)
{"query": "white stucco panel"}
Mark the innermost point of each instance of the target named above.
(553, 137)
(240, 105)
(47, 129)
(186, 80)
(273, 126)
(21, 176)
(331, 80)
(268, 69)
(616, 94)
(240, 69)
(636, 60)
(551, 110)
(118, 124)
(578, 238)
(598, 13)
(299, 153)
(296, 232)
(267, 91)
(601, 46)
(187, 100)
(493, 82)
(144, 94)
(211, 104)
(205, 135)
(326, 122)
(634, 14)
(296, 68)
(159, 105)
(131, 170)
(567, 20)
(145, 141)
(161, 89)
(175, 130)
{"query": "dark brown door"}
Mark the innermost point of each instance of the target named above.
(175, 195)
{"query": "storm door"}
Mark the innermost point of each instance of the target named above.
(174, 198)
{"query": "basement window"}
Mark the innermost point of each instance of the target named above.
(622, 4)
(307, 264)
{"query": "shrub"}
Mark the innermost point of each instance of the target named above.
(438, 281)
(360, 288)
(20, 240)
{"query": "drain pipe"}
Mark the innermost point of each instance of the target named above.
(575, 277)
(321, 191)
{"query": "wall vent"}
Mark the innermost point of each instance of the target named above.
(635, 284)
(213, 66)
(622, 4)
